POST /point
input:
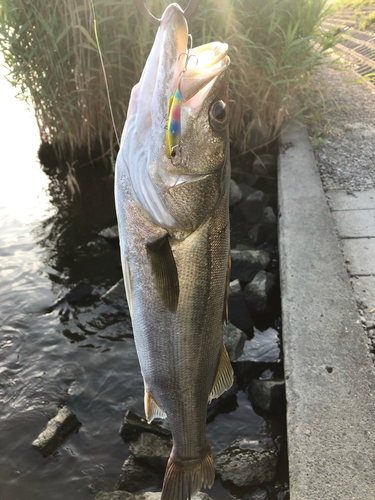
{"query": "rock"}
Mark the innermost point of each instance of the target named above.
(234, 340)
(262, 348)
(110, 234)
(265, 165)
(258, 292)
(260, 353)
(245, 189)
(81, 291)
(265, 231)
(116, 297)
(226, 403)
(247, 263)
(252, 207)
(124, 495)
(152, 449)
(133, 425)
(268, 395)
(235, 195)
(136, 476)
(237, 310)
(57, 430)
(246, 463)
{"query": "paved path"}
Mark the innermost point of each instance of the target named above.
(354, 215)
(330, 380)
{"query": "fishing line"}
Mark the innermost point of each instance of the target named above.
(105, 74)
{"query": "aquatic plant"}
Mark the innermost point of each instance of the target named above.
(51, 52)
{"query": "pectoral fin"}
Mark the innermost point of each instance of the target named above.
(164, 269)
(224, 376)
(226, 295)
(152, 410)
(128, 286)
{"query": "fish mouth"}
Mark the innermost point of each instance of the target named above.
(205, 64)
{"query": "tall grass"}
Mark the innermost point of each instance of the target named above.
(51, 52)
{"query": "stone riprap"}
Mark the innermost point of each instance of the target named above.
(245, 264)
(133, 426)
(268, 396)
(152, 449)
(124, 495)
(234, 341)
(57, 430)
(135, 476)
(116, 297)
(246, 463)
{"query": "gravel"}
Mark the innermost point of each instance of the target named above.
(344, 135)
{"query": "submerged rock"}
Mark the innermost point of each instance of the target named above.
(133, 426)
(264, 347)
(247, 263)
(116, 297)
(234, 341)
(136, 476)
(110, 234)
(237, 310)
(57, 430)
(246, 463)
(268, 395)
(80, 292)
(258, 292)
(152, 449)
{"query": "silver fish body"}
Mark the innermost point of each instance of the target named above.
(174, 237)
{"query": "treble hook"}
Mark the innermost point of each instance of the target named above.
(176, 156)
(188, 55)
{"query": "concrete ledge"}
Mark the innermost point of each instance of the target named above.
(330, 381)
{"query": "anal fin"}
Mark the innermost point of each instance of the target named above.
(224, 376)
(164, 270)
(152, 410)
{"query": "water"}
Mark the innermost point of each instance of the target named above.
(82, 355)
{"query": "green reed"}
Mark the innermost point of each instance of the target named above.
(52, 54)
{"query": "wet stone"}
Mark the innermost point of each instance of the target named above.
(80, 292)
(235, 194)
(116, 297)
(252, 206)
(258, 293)
(110, 234)
(268, 395)
(246, 463)
(133, 426)
(247, 263)
(57, 430)
(152, 449)
(124, 495)
(234, 341)
(265, 231)
(136, 476)
(237, 310)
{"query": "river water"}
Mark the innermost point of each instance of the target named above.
(80, 355)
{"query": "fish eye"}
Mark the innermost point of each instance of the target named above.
(218, 114)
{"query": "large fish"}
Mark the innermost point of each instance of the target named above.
(172, 189)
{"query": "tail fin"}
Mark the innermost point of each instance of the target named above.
(181, 480)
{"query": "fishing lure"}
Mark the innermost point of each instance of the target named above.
(173, 127)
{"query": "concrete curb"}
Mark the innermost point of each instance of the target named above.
(330, 381)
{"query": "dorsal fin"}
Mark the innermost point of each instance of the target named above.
(164, 270)
(224, 376)
(152, 410)
(226, 295)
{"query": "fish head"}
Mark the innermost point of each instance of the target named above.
(177, 192)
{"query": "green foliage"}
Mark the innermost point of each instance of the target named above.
(51, 52)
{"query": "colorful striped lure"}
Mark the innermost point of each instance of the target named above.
(174, 123)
